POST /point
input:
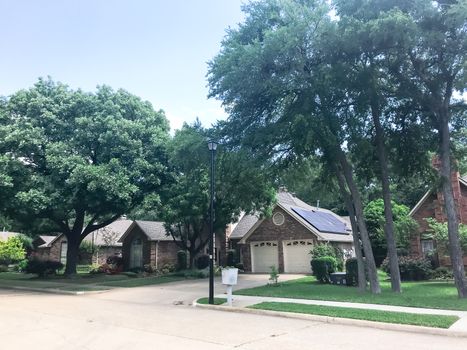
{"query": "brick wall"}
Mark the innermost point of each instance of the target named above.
(167, 253)
(136, 233)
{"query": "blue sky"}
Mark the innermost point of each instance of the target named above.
(154, 49)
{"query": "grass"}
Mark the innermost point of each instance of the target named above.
(217, 301)
(438, 321)
(82, 281)
(429, 294)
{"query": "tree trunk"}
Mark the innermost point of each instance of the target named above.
(450, 207)
(388, 215)
(355, 233)
(73, 243)
(370, 260)
(191, 260)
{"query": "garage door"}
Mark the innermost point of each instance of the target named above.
(264, 255)
(297, 256)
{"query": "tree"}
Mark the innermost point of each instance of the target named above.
(12, 250)
(81, 160)
(271, 77)
(404, 227)
(240, 186)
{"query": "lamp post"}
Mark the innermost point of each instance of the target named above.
(212, 145)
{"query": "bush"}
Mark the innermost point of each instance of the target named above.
(202, 262)
(240, 266)
(43, 268)
(231, 257)
(22, 265)
(166, 268)
(351, 272)
(325, 249)
(442, 273)
(3, 268)
(181, 260)
(411, 269)
(323, 267)
(12, 250)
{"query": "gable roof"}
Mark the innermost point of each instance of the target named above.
(288, 202)
(462, 181)
(44, 241)
(154, 230)
(109, 235)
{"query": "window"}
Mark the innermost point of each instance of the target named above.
(427, 246)
(278, 219)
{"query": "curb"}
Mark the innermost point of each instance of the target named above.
(339, 321)
(54, 291)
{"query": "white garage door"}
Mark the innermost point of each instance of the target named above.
(297, 256)
(264, 255)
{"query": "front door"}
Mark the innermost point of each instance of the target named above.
(136, 253)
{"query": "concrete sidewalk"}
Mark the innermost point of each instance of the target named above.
(242, 301)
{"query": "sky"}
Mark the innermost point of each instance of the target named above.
(157, 50)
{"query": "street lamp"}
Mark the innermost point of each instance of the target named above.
(212, 145)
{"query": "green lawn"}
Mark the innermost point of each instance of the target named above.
(438, 321)
(430, 294)
(217, 301)
(81, 282)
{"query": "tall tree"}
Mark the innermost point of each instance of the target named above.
(240, 186)
(271, 77)
(82, 159)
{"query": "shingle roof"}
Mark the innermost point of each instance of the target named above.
(243, 226)
(47, 241)
(155, 230)
(287, 201)
(110, 234)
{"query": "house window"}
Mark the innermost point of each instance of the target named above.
(278, 219)
(427, 246)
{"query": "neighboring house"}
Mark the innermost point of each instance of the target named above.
(285, 239)
(147, 243)
(105, 242)
(431, 205)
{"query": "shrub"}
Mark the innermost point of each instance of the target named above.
(411, 269)
(181, 260)
(351, 272)
(166, 268)
(231, 257)
(43, 268)
(12, 250)
(273, 275)
(325, 249)
(3, 268)
(202, 261)
(22, 265)
(323, 267)
(442, 273)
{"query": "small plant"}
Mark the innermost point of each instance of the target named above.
(273, 275)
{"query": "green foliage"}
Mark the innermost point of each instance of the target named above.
(404, 227)
(442, 273)
(26, 241)
(439, 233)
(274, 275)
(181, 260)
(411, 269)
(231, 257)
(88, 247)
(12, 250)
(325, 249)
(322, 268)
(202, 262)
(115, 157)
(43, 268)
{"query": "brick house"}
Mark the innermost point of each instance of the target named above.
(48, 247)
(285, 239)
(147, 243)
(431, 205)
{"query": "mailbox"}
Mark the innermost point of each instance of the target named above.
(229, 276)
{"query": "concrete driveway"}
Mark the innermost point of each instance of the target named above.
(146, 318)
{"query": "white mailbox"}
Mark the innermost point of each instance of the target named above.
(229, 278)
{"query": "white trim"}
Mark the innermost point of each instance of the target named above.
(420, 202)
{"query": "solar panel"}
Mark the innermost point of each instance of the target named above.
(324, 222)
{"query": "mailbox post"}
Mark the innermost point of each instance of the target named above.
(229, 278)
